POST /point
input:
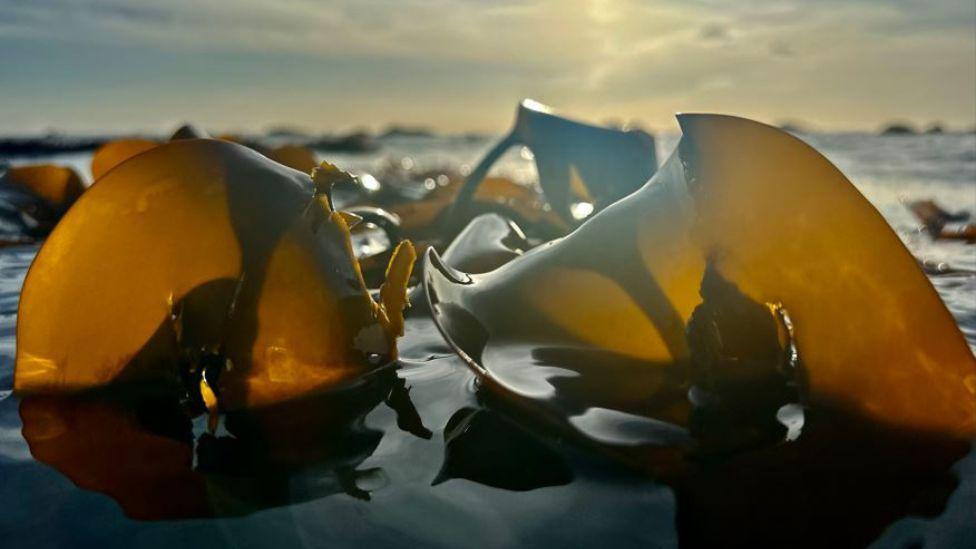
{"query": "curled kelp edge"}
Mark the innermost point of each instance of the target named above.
(603, 427)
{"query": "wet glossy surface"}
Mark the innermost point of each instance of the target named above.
(674, 287)
(386, 484)
(526, 488)
(208, 251)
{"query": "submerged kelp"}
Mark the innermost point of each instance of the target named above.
(582, 168)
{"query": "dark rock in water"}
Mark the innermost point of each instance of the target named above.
(48, 144)
(289, 132)
(406, 131)
(358, 141)
(935, 129)
(898, 129)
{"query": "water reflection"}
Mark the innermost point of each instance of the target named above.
(840, 484)
(149, 455)
(841, 481)
(484, 447)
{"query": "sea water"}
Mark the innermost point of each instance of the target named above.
(474, 474)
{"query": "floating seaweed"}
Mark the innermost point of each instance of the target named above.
(40, 193)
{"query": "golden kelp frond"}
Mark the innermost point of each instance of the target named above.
(526, 202)
(393, 292)
(116, 152)
(110, 273)
(58, 185)
(777, 223)
(317, 325)
(198, 248)
(494, 195)
(325, 175)
(296, 157)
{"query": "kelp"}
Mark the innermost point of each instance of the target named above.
(203, 259)
(582, 168)
(576, 162)
(38, 195)
(115, 152)
(802, 293)
(58, 186)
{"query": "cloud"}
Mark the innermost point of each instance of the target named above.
(449, 58)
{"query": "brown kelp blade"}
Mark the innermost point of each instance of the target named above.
(199, 250)
(296, 157)
(600, 319)
(116, 152)
(59, 186)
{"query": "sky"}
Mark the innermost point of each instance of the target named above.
(462, 65)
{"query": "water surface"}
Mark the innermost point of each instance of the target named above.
(445, 465)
